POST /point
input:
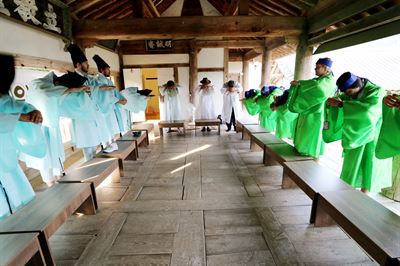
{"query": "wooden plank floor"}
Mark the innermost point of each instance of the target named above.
(204, 200)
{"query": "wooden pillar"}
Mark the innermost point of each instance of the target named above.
(245, 75)
(226, 64)
(303, 66)
(121, 81)
(176, 74)
(266, 68)
(192, 69)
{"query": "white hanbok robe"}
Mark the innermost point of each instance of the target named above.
(172, 104)
(205, 108)
(231, 100)
(14, 186)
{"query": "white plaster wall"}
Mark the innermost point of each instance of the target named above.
(209, 9)
(19, 39)
(235, 67)
(174, 10)
(110, 57)
(155, 59)
(133, 78)
(211, 57)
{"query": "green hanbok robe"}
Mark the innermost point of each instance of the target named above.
(362, 119)
(285, 121)
(308, 100)
(251, 105)
(267, 115)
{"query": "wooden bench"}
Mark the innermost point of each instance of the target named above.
(171, 124)
(48, 211)
(126, 151)
(259, 140)
(138, 140)
(206, 123)
(313, 179)
(375, 228)
(281, 153)
(241, 122)
(248, 130)
(143, 127)
(93, 172)
(20, 249)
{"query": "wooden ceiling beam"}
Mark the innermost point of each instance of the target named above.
(218, 5)
(243, 7)
(342, 10)
(232, 9)
(99, 7)
(262, 10)
(139, 47)
(275, 8)
(138, 8)
(251, 55)
(106, 12)
(189, 27)
(124, 15)
(287, 8)
(123, 10)
(81, 5)
(231, 44)
(152, 8)
(378, 19)
(235, 56)
(164, 5)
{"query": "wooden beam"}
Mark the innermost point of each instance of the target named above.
(193, 73)
(303, 64)
(176, 74)
(210, 69)
(192, 8)
(232, 8)
(251, 54)
(152, 8)
(273, 43)
(78, 6)
(342, 10)
(378, 19)
(235, 56)
(157, 65)
(231, 44)
(226, 64)
(123, 9)
(189, 27)
(218, 5)
(99, 7)
(243, 7)
(108, 11)
(285, 7)
(138, 8)
(376, 33)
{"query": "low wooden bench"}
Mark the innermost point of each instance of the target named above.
(126, 151)
(93, 172)
(171, 124)
(248, 130)
(241, 122)
(259, 140)
(143, 127)
(206, 123)
(138, 140)
(313, 179)
(375, 228)
(20, 249)
(48, 211)
(281, 153)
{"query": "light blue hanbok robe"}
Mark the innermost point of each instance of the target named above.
(13, 137)
(122, 113)
(106, 101)
(136, 102)
(45, 97)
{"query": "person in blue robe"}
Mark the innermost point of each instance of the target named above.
(16, 135)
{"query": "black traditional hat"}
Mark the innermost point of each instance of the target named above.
(71, 80)
(205, 81)
(145, 92)
(77, 55)
(231, 83)
(170, 83)
(101, 64)
(7, 72)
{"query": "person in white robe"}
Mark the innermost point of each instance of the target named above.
(231, 108)
(169, 95)
(205, 94)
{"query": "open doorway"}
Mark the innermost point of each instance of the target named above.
(150, 81)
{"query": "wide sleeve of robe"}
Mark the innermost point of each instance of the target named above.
(251, 105)
(362, 116)
(105, 99)
(309, 95)
(135, 101)
(389, 138)
(333, 124)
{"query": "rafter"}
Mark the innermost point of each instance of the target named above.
(106, 12)
(152, 8)
(233, 8)
(101, 6)
(164, 5)
(138, 8)
(81, 5)
(218, 4)
(123, 10)
(186, 27)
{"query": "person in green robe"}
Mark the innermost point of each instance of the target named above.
(285, 120)
(389, 142)
(267, 115)
(249, 101)
(308, 100)
(361, 103)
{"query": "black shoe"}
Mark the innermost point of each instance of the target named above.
(208, 129)
(203, 129)
(228, 127)
(234, 128)
(169, 131)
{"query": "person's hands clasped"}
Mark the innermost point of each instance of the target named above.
(392, 101)
(34, 116)
(294, 83)
(334, 102)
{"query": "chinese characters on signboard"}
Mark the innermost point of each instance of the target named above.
(42, 14)
(159, 45)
